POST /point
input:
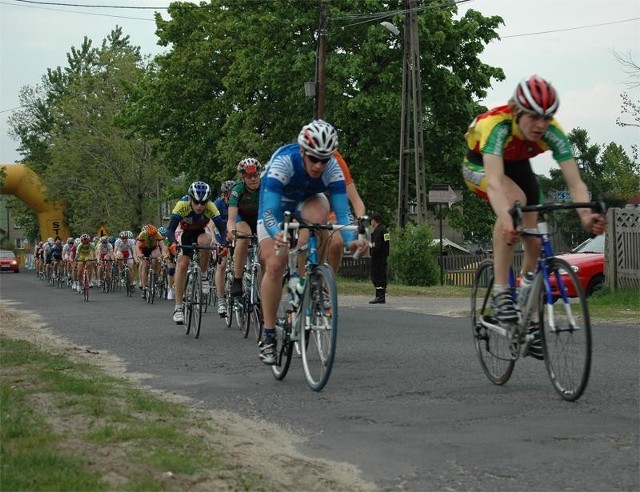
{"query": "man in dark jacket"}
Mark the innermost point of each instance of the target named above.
(379, 254)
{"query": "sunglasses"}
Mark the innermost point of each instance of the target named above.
(318, 160)
(196, 202)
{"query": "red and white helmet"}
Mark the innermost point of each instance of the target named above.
(536, 96)
(249, 165)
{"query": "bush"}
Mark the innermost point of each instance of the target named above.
(411, 257)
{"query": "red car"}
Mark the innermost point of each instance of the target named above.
(587, 260)
(8, 261)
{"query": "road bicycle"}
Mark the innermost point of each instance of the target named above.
(104, 274)
(162, 281)
(563, 321)
(311, 317)
(56, 274)
(228, 283)
(152, 280)
(85, 282)
(124, 278)
(247, 306)
(193, 297)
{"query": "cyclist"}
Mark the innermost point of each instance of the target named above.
(295, 180)
(56, 255)
(147, 246)
(243, 215)
(500, 143)
(222, 204)
(124, 251)
(170, 259)
(104, 254)
(67, 257)
(85, 252)
(192, 213)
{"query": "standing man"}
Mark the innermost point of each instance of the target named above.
(379, 255)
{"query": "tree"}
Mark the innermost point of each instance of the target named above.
(69, 132)
(231, 85)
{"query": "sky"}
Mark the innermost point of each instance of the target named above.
(569, 42)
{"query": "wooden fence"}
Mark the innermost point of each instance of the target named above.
(622, 256)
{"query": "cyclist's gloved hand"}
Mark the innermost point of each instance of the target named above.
(173, 248)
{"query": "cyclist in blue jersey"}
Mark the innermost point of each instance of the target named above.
(222, 203)
(296, 179)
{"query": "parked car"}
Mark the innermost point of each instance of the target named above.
(9, 261)
(587, 260)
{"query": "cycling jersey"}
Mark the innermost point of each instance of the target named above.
(496, 132)
(221, 228)
(85, 252)
(103, 250)
(184, 216)
(148, 241)
(124, 248)
(344, 168)
(286, 183)
(247, 203)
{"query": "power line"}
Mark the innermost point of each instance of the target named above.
(572, 28)
(64, 4)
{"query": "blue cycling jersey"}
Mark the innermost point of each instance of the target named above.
(285, 184)
(221, 221)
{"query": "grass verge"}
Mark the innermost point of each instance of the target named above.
(69, 426)
(620, 306)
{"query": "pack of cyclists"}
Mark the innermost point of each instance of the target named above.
(310, 179)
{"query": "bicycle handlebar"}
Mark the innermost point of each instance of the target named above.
(360, 227)
(517, 210)
(195, 246)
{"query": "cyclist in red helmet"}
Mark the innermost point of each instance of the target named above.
(500, 143)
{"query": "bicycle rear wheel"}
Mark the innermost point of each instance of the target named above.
(319, 326)
(566, 333)
(493, 349)
(284, 348)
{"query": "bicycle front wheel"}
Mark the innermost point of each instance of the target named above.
(188, 296)
(492, 348)
(196, 306)
(319, 326)
(565, 330)
(151, 285)
(284, 348)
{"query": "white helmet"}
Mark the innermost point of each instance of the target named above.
(318, 139)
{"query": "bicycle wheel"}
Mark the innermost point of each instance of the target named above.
(493, 349)
(565, 330)
(187, 302)
(196, 306)
(85, 285)
(151, 285)
(228, 317)
(127, 282)
(319, 326)
(284, 348)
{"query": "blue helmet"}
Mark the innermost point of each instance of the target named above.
(200, 191)
(112, 239)
(162, 230)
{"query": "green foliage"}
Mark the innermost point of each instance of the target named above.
(71, 137)
(411, 258)
(25, 217)
(231, 85)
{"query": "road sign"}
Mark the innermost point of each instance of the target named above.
(102, 231)
(562, 196)
(442, 194)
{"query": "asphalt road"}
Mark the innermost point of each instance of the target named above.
(407, 402)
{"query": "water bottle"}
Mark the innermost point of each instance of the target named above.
(525, 288)
(294, 282)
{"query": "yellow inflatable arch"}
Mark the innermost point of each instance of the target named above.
(24, 184)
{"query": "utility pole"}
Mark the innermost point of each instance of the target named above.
(320, 61)
(411, 136)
